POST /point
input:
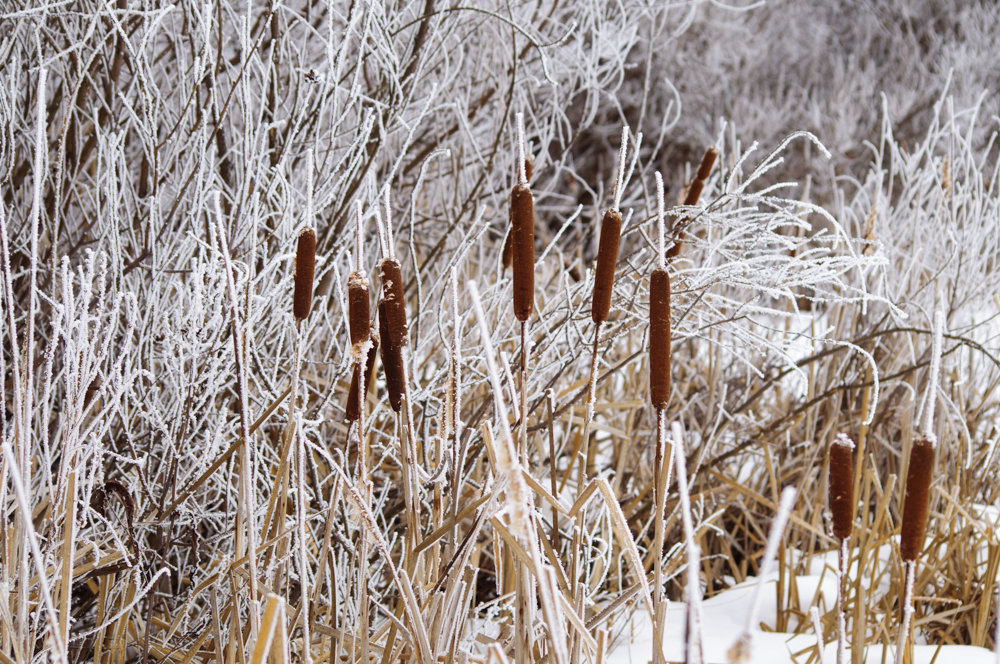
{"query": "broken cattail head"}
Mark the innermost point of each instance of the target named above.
(395, 307)
(659, 338)
(305, 268)
(842, 486)
(358, 311)
(522, 217)
(392, 359)
(356, 394)
(529, 166)
(917, 499)
(607, 257)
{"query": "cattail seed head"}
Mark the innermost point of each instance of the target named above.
(659, 338)
(917, 499)
(522, 216)
(698, 184)
(305, 268)
(356, 393)
(707, 162)
(841, 486)
(395, 306)
(607, 257)
(392, 359)
(358, 312)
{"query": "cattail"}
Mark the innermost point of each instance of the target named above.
(704, 170)
(915, 504)
(359, 314)
(842, 486)
(507, 257)
(305, 268)
(356, 394)
(522, 216)
(694, 190)
(395, 306)
(392, 358)
(607, 257)
(659, 338)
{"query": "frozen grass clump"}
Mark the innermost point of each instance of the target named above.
(183, 476)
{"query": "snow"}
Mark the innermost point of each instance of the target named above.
(724, 615)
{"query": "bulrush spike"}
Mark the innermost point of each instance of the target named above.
(522, 219)
(841, 486)
(507, 257)
(359, 312)
(395, 306)
(358, 305)
(704, 170)
(355, 394)
(392, 359)
(522, 216)
(659, 338)
(305, 268)
(694, 190)
(607, 252)
(607, 257)
(915, 503)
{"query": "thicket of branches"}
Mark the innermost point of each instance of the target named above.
(178, 481)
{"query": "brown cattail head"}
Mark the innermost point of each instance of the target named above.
(607, 257)
(395, 306)
(392, 359)
(842, 486)
(916, 501)
(358, 312)
(659, 338)
(522, 217)
(354, 395)
(698, 184)
(305, 267)
(707, 162)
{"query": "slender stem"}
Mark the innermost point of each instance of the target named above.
(658, 503)
(909, 569)
(841, 602)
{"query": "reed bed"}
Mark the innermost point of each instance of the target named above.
(229, 437)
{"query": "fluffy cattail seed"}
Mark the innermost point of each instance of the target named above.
(358, 312)
(522, 217)
(659, 338)
(392, 359)
(395, 306)
(607, 257)
(354, 395)
(305, 267)
(915, 503)
(841, 486)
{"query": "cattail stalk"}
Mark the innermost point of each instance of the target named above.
(692, 639)
(841, 498)
(518, 494)
(916, 501)
(246, 542)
